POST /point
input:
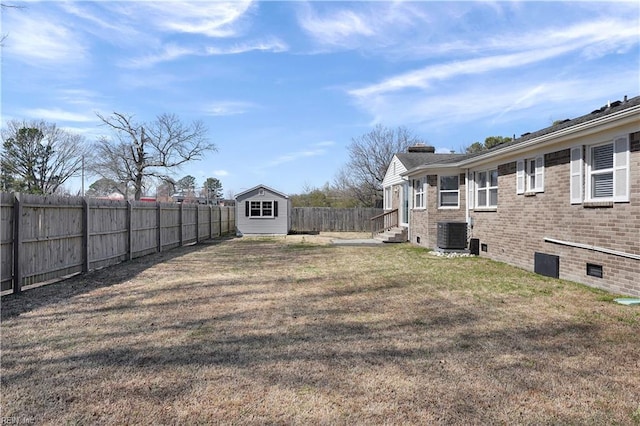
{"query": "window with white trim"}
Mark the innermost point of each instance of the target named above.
(530, 175)
(606, 171)
(419, 193)
(388, 201)
(487, 189)
(260, 209)
(449, 191)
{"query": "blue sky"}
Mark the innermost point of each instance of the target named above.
(283, 87)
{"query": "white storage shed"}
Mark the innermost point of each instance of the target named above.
(263, 211)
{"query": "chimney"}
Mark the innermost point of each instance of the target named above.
(420, 147)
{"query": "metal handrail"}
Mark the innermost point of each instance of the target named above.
(384, 221)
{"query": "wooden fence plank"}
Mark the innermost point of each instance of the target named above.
(326, 219)
(6, 242)
(47, 237)
(17, 214)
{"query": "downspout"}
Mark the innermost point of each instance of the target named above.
(467, 208)
(468, 214)
(409, 212)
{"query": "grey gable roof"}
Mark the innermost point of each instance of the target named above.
(263, 187)
(412, 160)
(614, 107)
(455, 159)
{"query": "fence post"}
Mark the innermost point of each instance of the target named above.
(180, 222)
(17, 214)
(85, 235)
(159, 222)
(197, 223)
(210, 220)
(129, 230)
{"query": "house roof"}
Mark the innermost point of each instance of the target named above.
(264, 187)
(414, 159)
(606, 110)
(527, 139)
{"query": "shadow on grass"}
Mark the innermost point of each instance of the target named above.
(325, 332)
(12, 305)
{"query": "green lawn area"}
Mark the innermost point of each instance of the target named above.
(297, 331)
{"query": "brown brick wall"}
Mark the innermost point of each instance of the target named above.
(517, 229)
(424, 222)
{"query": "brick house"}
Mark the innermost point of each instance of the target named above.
(564, 201)
(399, 194)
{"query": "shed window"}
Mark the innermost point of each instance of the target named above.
(255, 209)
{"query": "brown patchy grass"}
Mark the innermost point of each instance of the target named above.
(295, 331)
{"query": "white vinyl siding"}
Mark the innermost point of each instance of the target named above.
(449, 191)
(607, 176)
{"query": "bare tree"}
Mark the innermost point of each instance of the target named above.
(139, 152)
(369, 157)
(38, 157)
(3, 6)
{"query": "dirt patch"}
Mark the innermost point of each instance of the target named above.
(285, 330)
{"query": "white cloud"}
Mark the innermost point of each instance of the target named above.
(169, 52)
(41, 41)
(425, 77)
(325, 143)
(172, 52)
(56, 114)
(220, 173)
(294, 156)
(212, 19)
(224, 108)
(369, 25)
(508, 79)
(99, 20)
(497, 102)
(268, 45)
(334, 29)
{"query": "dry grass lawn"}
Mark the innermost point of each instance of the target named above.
(296, 331)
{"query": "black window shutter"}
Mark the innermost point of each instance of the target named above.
(275, 209)
(246, 208)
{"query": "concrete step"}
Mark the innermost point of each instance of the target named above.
(393, 235)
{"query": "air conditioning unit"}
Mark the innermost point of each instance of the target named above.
(452, 235)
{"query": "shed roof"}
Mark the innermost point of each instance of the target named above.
(264, 187)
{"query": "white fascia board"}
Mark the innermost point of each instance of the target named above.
(434, 169)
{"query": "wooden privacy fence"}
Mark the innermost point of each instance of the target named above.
(327, 219)
(44, 238)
